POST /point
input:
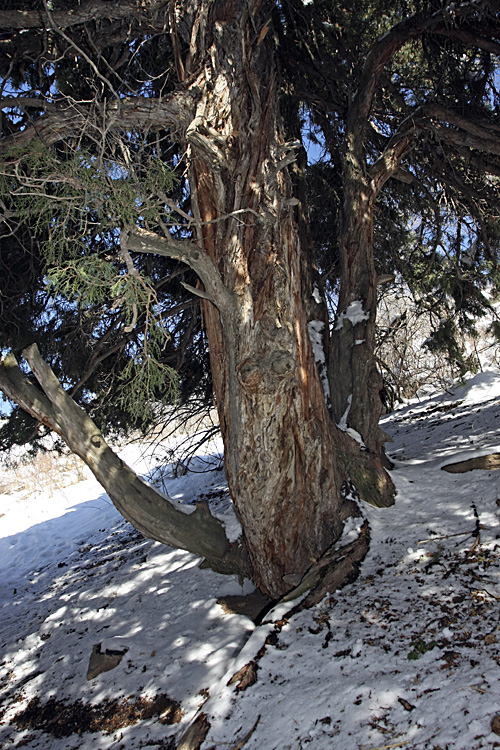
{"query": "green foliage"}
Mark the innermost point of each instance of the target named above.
(420, 648)
(75, 204)
(495, 329)
(69, 197)
(446, 339)
(93, 280)
(145, 375)
(90, 280)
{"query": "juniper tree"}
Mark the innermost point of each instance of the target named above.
(145, 144)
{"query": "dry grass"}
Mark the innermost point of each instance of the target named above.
(45, 471)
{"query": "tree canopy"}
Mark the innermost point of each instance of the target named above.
(427, 74)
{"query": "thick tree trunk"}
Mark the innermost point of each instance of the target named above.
(355, 382)
(286, 460)
(283, 472)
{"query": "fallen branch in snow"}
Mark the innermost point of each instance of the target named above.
(245, 739)
(487, 463)
(446, 536)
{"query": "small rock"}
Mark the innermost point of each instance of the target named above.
(103, 661)
(495, 724)
(490, 638)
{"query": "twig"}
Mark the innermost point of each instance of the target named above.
(386, 747)
(478, 689)
(476, 533)
(245, 739)
(446, 536)
(92, 64)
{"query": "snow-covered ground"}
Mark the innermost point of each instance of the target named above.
(406, 656)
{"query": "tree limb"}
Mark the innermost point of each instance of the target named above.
(70, 120)
(442, 23)
(152, 513)
(484, 129)
(25, 394)
(474, 40)
(93, 10)
(144, 241)
(467, 141)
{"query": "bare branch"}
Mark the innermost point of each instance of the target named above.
(144, 241)
(16, 387)
(484, 129)
(53, 23)
(23, 102)
(94, 10)
(70, 120)
(465, 141)
(152, 513)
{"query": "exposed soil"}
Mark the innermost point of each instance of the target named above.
(62, 719)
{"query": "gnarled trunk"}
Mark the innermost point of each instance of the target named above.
(281, 463)
(286, 460)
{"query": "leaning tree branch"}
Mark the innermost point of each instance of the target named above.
(152, 513)
(454, 128)
(26, 395)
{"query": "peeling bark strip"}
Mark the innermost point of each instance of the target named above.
(154, 515)
(279, 441)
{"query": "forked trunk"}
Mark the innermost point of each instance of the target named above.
(286, 460)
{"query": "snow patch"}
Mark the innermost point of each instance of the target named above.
(316, 330)
(409, 651)
(342, 425)
(354, 313)
(316, 295)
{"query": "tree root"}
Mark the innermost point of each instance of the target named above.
(334, 570)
